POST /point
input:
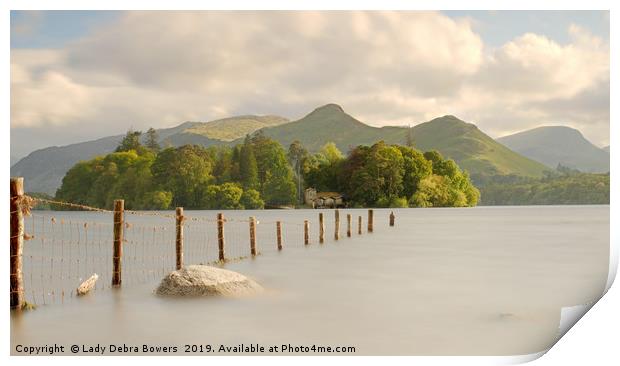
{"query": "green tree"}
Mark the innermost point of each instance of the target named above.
(183, 171)
(152, 139)
(250, 199)
(248, 168)
(416, 168)
(274, 172)
(223, 168)
(131, 141)
(296, 156)
(226, 196)
(157, 200)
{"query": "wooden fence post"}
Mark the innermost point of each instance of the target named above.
(349, 225)
(306, 232)
(179, 242)
(220, 235)
(321, 228)
(253, 235)
(119, 222)
(359, 225)
(16, 243)
(370, 220)
(392, 218)
(279, 234)
(336, 224)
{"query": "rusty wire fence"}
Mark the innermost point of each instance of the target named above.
(61, 249)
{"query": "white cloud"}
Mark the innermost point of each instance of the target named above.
(161, 68)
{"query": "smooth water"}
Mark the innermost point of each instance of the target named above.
(475, 281)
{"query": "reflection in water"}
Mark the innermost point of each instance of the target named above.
(481, 281)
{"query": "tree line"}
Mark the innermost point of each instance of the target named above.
(260, 173)
(563, 186)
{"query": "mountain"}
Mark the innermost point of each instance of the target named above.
(464, 142)
(14, 159)
(473, 150)
(553, 145)
(44, 169)
(331, 123)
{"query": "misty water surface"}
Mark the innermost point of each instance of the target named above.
(474, 281)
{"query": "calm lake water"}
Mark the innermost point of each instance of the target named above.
(475, 281)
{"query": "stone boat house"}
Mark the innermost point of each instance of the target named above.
(316, 199)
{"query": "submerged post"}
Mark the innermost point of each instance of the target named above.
(279, 234)
(359, 225)
(370, 220)
(119, 221)
(349, 225)
(179, 241)
(16, 243)
(336, 224)
(253, 235)
(306, 232)
(220, 235)
(321, 228)
(392, 218)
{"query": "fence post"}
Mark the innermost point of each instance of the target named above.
(17, 243)
(220, 235)
(179, 242)
(119, 221)
(321, 228)
(359, 225)
(279, 234)
(336, 224)
(306, 232)
(253, 235)
(392, 218)
(370, 220)
(349, 225)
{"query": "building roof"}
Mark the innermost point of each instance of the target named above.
(328, 195)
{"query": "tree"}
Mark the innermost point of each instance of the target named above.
(223, 168)
(296, 156)
(225, 196)
(416, 168)
(409, 137)
(277, 186)
(248, 168)
(183, 171)
(131, 141)
(380, 177)
(322, 170)
(250, 200)
(152, 139)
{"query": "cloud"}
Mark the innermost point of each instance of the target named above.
(161, 68)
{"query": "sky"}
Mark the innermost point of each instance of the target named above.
(82, 75)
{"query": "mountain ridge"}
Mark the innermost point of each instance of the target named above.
(553, 145)
(471, 148)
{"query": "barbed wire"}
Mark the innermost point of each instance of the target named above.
(62, 251)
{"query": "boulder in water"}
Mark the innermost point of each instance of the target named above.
(200, 280)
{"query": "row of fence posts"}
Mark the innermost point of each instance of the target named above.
(17, 237)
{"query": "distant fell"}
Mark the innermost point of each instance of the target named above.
(472, 149)
(331, 123)
(453, 138)
(553, 145)
(44, 169)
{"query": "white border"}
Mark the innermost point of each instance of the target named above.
(590, 341)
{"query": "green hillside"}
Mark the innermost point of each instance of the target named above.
(229, 129)
(472, 149)
(465, 143)
(331, 123)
